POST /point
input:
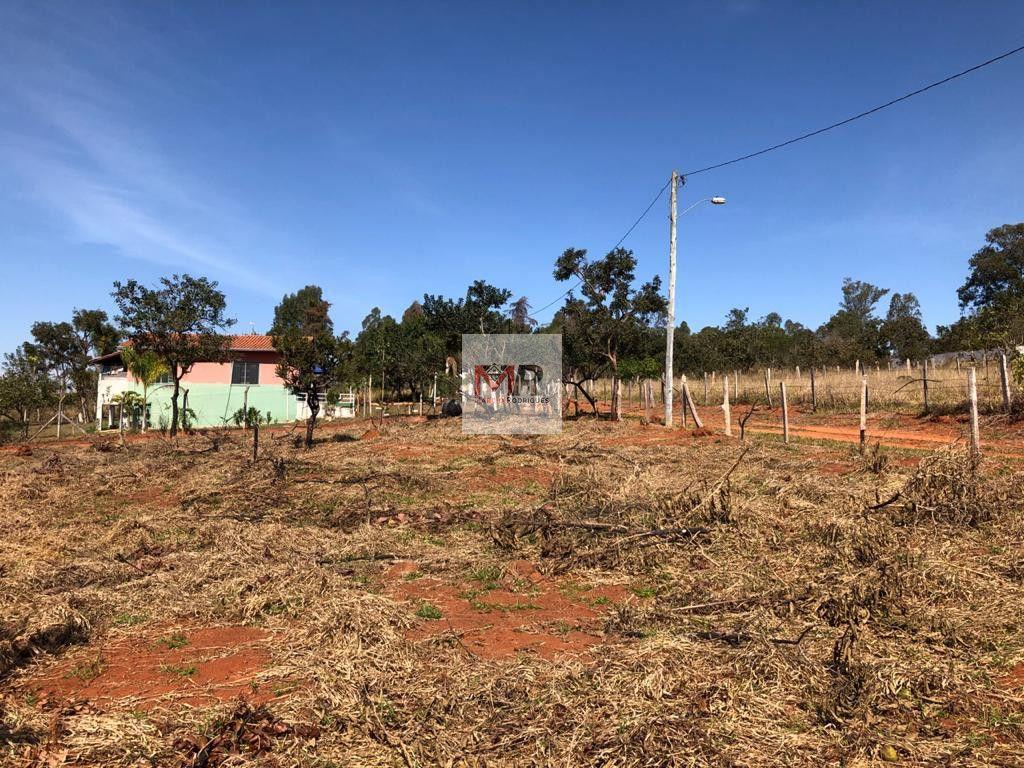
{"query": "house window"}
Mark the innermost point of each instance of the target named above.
(165, 378)
(245, 373)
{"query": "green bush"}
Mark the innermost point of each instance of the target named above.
(248, 418)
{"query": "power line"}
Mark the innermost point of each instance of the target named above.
(786, 143)
(848, 120)
(629, 231)
(640, 218)
(557, 299)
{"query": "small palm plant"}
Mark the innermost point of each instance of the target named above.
(147, 369)
(130, 405)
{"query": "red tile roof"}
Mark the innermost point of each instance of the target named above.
(251, 342)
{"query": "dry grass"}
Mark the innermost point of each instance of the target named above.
(779, 614)
(896, 390)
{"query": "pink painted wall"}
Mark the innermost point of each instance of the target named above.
(220, 373)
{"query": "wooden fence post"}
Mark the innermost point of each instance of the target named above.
(814, 392)
(689, 404)
(767, 386)
(972, 387)
(785, 412)
(1004, 379)
(863, 412)
(682, 387)
(735, 382)
(726, 412)
(924, 382)
(705, 387)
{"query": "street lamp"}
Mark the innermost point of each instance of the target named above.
(671, 321)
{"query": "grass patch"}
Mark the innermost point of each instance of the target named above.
(88, 671)
(428, 612)
(179, 670)
(487, 576)
(176, 640)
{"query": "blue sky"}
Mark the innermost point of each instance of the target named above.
(387, 150)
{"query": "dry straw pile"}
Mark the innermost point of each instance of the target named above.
(780, 605)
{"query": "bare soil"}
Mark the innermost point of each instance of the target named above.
(619, 594)
(524, 612)
(163, 667)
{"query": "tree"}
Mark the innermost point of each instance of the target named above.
(903, 332)
(860, 298)
(65, 350)
(147, 368)
(97, 333)
(24, 385)
(854, 332)
(478, 312)
(303, 336)
(519, 315)
(57, 348)
(377, 345)
(304, 308)
(964, 334)
(613, 314)
(993, 293)
(180, 321)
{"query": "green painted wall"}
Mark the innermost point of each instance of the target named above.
(215, 404)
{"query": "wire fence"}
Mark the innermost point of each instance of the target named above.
(913, 391)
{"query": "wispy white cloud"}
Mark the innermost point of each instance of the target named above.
(71, 138)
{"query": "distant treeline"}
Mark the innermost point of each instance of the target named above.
(610, 327)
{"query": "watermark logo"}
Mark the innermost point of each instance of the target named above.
(511, 383)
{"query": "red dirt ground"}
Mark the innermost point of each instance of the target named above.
(154, 498)
(164, 667)
(501, 477)
(525, 613)
(1014, 679)
(890, 429)
(893, 430)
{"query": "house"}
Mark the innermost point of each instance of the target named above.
(212, 391)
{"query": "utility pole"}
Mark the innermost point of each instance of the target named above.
(671, 321)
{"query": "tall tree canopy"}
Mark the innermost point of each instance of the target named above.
(65, 348)
(478, 312)
(854, 332)
(182, 321)
(25, 384)
(303, 335)
(993, 293)
(519, 316)
(305, 309)
(612, 316)
(903, 331)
